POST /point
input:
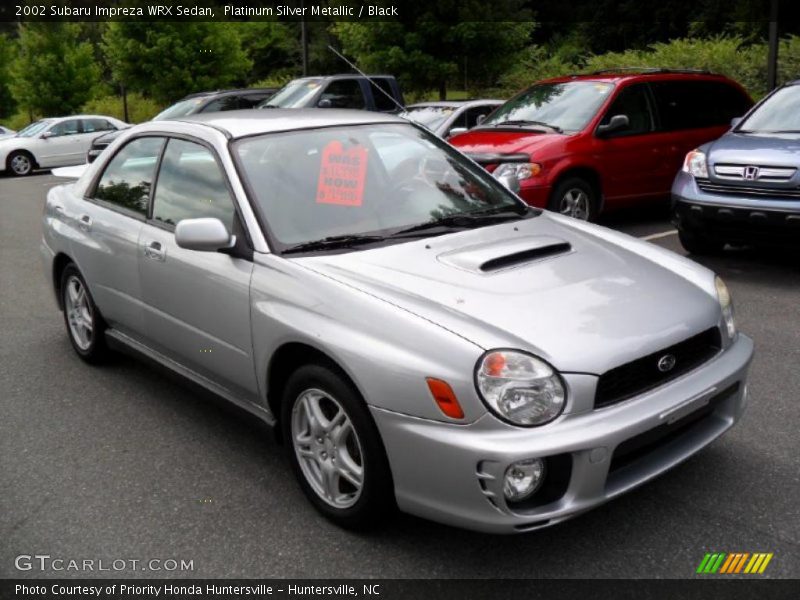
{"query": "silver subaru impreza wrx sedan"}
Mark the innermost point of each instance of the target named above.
(417, 335)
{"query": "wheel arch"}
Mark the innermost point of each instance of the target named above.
(60, 263)
(23, 151)
(587, 173)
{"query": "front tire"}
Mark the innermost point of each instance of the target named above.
(335, 449)
(20, 163)
(575, 197)
(85, 325)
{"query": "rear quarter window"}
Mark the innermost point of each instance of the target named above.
(697, 104)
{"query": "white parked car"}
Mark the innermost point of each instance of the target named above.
(55, 142)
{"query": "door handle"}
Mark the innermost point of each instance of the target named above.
(155, 251)
(85, 222)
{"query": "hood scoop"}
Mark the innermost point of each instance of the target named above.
(498, 256)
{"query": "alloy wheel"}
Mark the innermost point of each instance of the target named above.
(79, 313)
(21, 164)
(575, 203)
(328, 449)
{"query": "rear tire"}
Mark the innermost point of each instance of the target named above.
(335, 449)
(698, 245)
(575, 197)
(20, 163)
(85, 325)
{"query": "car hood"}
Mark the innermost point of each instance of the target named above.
(774, 149)
(488, 141)
(582, 297)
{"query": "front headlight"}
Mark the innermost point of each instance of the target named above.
(520, 388)
(519, 170)
(726, 304)
(695, 163)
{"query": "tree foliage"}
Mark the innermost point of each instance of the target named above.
(440, 42)
(168, 60)
(7, 103)
(54, 72)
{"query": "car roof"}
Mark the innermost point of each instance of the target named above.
(454, 103)
(261, 90)
(626, 74)
(242, 123)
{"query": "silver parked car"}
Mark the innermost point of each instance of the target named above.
(57, 142)
(417, 334)
(450, 117)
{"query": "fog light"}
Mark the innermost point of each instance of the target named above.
(523, 479)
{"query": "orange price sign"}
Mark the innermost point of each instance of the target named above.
(341, 175)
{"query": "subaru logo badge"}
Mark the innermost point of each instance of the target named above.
(751, 173)
(666, 363)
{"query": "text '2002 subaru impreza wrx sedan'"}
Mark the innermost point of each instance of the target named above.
(418, 335)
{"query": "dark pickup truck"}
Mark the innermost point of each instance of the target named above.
(380, 93)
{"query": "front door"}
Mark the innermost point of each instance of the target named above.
(196, 304)
(61, 144)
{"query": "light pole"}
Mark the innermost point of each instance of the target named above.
(772, 57)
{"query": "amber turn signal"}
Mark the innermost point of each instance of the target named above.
(445, 398)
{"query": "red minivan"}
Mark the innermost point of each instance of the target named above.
(586, 143)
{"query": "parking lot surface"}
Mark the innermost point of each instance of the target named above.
(123, 462)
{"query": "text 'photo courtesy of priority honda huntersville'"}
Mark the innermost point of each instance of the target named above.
(418, 335)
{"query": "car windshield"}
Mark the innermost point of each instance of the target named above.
(780, 113)
(368, 180)
(293, 95)
(183, 108)
(34, 128)
(429, 116)
(566, 106)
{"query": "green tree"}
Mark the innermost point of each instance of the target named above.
(168, 60)
(272, 47)
(441, 43)
(7, 103)
(54, 72)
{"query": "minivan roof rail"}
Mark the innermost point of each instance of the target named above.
(647, 71)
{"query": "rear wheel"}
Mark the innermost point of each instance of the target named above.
(85, 326)
(698, 245)
(335, 449)
(575, 197)
(20, 163)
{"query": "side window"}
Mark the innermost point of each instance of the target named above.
(634, 103)
(191, 185)
(474, 113)
(251, 100)
(220, 104)
(68, 127)
(344, 93)
(94, 125)
(128, 177)
(697, 104)
(380, 88)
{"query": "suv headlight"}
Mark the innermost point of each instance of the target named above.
(520, 388)
(726, 304)
(519, 170)
(695, 163)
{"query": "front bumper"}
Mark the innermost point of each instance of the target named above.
(453, 474)
(534, 194)
(734, 218)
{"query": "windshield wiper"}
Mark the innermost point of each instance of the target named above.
(496, 214)
(523, 122)
(334, 241)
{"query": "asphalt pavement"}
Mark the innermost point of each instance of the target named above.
(124, 463)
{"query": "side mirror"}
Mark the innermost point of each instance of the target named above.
(510, 181)
(206, 234)
(325, 103)
(457, 131)
(480, 119)
(617, 123)
(46, 135)
(735, 121)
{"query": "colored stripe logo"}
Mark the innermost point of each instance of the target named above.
(734, 563)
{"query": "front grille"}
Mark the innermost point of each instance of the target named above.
(643, 374)
(754, 173)
(741, 190)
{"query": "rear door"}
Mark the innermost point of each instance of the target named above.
(626, 159)
(689, 114)
(107, 225)
(196, 304)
